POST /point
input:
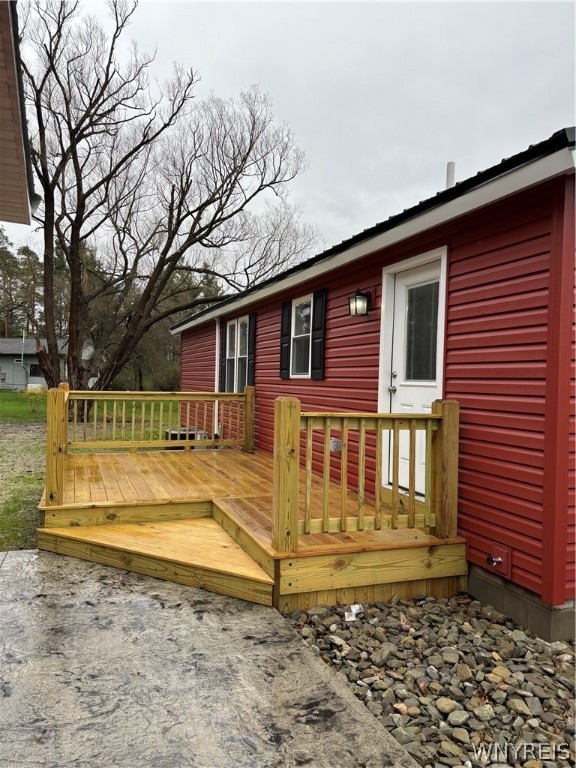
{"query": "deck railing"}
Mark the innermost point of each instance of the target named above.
(82, 420)
(307, 463)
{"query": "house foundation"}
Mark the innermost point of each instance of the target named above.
(548, 622)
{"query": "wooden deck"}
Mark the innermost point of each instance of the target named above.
(204, 518)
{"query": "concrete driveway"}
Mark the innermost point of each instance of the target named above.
(100, 667)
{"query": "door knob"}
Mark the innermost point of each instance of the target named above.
(392, 390)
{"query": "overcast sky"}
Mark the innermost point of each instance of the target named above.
(380, 95)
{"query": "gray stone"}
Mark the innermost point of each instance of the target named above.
(464, 672)
(461, 735)
(446, 705)
(450, 749)
(450, 655)
(548, 717)
(517, 705)
(382, 653)
(498, 696)
(403, 735)
(535, 707)
(458, 717)
(484, 713)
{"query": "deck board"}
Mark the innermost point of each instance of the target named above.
(177, 539)
(204, 518)
(245, 480)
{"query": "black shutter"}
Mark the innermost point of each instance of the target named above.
(223, 342)
(251, 370)
(318, 333)
(285, 340)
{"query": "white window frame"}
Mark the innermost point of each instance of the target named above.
(295, 302)
(236, 356)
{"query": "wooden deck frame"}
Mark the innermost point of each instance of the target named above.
(311, 540)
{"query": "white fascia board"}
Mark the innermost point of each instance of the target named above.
(522, 178)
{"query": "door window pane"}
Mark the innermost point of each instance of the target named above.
(421, 332)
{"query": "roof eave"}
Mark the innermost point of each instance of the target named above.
(426, 215)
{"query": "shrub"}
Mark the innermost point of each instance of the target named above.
(36, 399)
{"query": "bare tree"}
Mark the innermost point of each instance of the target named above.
(144, 175)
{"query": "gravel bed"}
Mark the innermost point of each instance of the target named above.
(454, 681)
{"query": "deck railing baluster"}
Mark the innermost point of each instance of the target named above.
(361, 473)
(407, 507)
(344, 477)
(94, 419)
(326, 478)
(378, 479)
(137, 420)
(395, 473)
(412, 476)
(133, 430)
(308, 479)
(430, 425)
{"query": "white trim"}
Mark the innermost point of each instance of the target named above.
(387, 316)
(236, 357)
(438, 256)
(528, 175)
(217, 360)
(216, 411)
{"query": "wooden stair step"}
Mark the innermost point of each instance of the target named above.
(196, 552)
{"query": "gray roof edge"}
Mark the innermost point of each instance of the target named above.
(560, 140)
(14, 346)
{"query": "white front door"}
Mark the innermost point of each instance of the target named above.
(413, 348)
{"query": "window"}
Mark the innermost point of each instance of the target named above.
(236, 355)
(36, 371)
(302, 334)
(301, 331)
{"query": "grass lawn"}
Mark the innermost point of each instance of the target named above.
(22, 466)
(22, 407)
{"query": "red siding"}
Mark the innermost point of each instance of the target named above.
(198, 359)
(352, 356)
(571, 538)
(496, 357)
(499, 366)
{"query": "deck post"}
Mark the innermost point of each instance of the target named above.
(445, 457)
(56, 439)
(249, 414)
(285, 478)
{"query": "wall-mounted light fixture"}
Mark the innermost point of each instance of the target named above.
(359, 303)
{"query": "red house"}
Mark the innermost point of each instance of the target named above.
(470, 297)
